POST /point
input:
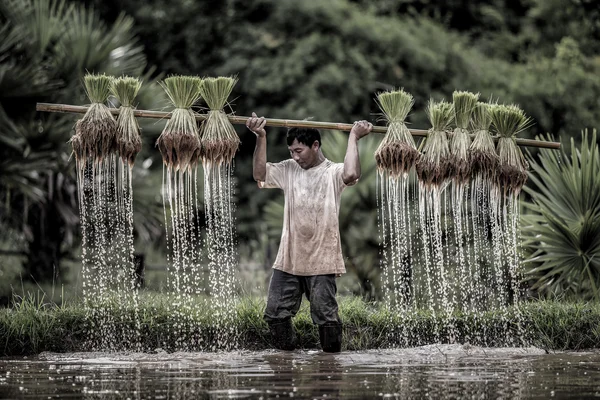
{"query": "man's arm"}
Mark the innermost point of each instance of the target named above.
(351, 161)
(259, 160)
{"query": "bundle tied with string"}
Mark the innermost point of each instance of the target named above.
(95, 133)
(484, 160)
(397, 152)
(179, 143)
(218, 136)
(433, 167)
(128, 140)
(507, 122)
(460, 142)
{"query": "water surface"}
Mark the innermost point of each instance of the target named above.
(437, 371)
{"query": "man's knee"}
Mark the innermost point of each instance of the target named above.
(323, 303)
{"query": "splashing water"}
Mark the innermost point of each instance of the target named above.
(221, 248)
(180, 201)
(463, 256)
(395, 222)
(109, 281)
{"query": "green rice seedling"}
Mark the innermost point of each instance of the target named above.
(129, 141)
(218, 137)
(433, 166)
(507, 122)
(397, 152)
(483, 157)
(460, 142)
(95, 134)
(179, 143)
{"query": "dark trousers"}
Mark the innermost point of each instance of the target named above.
(285, 296)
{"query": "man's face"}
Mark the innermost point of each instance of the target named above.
(305, 156)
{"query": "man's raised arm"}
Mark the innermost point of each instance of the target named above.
(259, 161)
(351, 161)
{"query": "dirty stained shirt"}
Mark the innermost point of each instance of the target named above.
(310, 239)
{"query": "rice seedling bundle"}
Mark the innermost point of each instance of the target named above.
(397, 152)
(218, 136)
(433, 166)
(484, 160)
(95, 133)
(179, 143)
(129, 141)
(507, 122)
(460, 166)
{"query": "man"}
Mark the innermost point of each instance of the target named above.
(310, 252)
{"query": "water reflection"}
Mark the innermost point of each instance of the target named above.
(425, 372)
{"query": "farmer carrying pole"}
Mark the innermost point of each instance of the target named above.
(310, 252)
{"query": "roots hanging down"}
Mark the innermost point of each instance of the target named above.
(512, 166)
(508, 121)
(219, 140)
(460, 166)
(179, 150)
(129, 141)
(95, 134)
(512, 178)
(397, 153)
(219, 152)
(396, 157)
(482, 156)
(484, 163)
(433, 173)
(459, 169)
(179, 144)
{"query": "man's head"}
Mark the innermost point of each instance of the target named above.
(304, 145)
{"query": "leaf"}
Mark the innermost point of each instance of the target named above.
(561, 228)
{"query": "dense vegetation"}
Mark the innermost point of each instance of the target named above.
(294, 59)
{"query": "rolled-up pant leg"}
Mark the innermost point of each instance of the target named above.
(321, 291)
(283, 302)
(284, 298)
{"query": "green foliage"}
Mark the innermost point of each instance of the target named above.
(47, 47)
(508, 120)
(97, 87)
(125, 89)
(183, 91)
(32, 326)
(481, 119)
(295, 59)
(395, 105)
(215, 91)
(464, 104)
(440, 114)
(561, 229)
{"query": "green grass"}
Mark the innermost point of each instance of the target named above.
(31, 326)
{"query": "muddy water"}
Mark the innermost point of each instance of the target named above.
(426, 372)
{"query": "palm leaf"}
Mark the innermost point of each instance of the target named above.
(561, 228)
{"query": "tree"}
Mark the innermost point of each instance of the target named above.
(48, 46)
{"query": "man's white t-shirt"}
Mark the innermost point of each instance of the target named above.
(310, 240)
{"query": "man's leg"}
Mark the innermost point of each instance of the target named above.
(321, 291)
(283, 302)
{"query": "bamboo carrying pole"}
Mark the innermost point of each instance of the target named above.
(287, 123)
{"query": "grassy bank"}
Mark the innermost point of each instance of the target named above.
(31, 327)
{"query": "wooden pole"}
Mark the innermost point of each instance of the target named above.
(286, 123)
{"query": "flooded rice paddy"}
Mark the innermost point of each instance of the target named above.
(437, 371)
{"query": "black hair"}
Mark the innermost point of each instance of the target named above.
(306, 136)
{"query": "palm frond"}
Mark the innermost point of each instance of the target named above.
(561, 229)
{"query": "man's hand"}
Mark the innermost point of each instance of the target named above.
(257, 125)
(361, 129)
